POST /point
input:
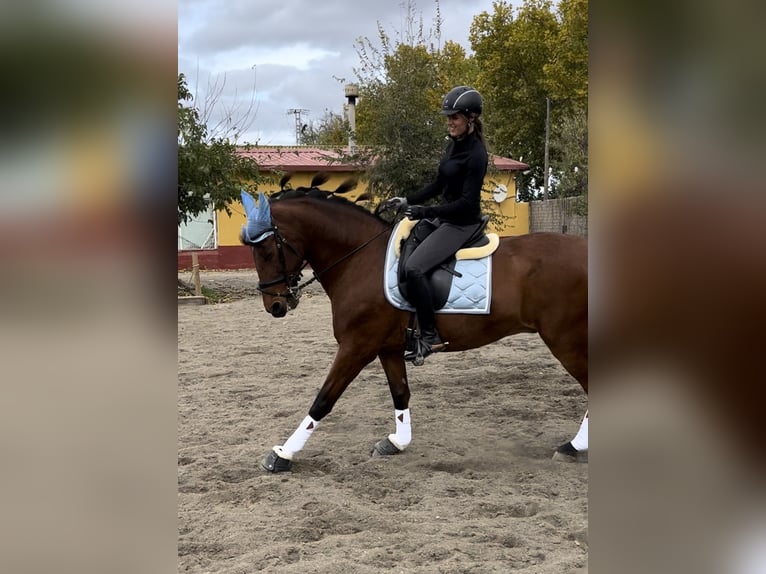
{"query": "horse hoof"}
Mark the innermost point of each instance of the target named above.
(568, 453)
(272, 462)
(384, 448)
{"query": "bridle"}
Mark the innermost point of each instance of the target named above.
(291, 278)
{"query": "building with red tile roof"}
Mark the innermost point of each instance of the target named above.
(215, 236)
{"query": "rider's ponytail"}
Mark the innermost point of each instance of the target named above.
(478, 128)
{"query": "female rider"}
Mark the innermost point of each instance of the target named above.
(460, 178)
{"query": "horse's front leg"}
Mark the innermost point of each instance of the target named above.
(396, 374)
(349, 361)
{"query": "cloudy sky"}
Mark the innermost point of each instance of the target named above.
(289, 54)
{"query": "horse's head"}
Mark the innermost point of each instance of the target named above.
(277, 261)
(303, 218)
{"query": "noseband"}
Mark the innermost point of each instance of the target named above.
(289, 278)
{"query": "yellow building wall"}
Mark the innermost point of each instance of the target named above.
(229, 226)
(515, 216)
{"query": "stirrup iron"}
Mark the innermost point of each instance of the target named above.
(418, 349)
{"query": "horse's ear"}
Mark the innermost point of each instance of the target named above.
(319, 179)
(363, 197)
(285, 180)
(347, 185)
(248, 202)
(258, 218)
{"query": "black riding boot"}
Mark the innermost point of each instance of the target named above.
(429, 340)
(428, 333)
(433, 339)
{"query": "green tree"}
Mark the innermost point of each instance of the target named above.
(567, 72)
(401, 84)
(396, 123)
(332, 130)
(570, 141)
(567, 82)
(524, 58)
(210, 172)
(511, 54)
(454, 67)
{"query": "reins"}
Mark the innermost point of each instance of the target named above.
(362, 246)
(288, 278)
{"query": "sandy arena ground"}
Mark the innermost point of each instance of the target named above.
(476, 491)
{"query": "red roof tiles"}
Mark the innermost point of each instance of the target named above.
(300, 158)
(296, 158)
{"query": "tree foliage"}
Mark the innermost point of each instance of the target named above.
(567, 80)
(570, 141)
(402, 82)
(511, 53)
(332, 130)
(524, 58)
(567, 73)
(396, 122)
(520, 58)
(210, 172)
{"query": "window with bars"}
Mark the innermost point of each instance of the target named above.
(198, 232)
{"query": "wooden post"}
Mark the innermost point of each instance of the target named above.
(195, 275)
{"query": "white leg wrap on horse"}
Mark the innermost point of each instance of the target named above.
(580, 441)
(298, 439)
(403, 434)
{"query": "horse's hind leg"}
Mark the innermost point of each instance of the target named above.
(572, 353)
(396, 374)
(575, 450)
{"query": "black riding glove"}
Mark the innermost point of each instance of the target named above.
(415, 212)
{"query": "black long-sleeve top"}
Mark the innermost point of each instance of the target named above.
(459, 180)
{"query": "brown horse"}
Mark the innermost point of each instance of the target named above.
(539, 285)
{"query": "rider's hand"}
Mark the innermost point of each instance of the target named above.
(397, 203)
(415, 212)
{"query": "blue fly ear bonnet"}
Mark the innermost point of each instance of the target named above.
(258, 225)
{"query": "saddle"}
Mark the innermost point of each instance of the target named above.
(478, 245)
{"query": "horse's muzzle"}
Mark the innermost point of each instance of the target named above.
(278, 309)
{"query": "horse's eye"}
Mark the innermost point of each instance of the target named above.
(262, 252)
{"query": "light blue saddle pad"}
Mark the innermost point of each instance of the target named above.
(469, 294)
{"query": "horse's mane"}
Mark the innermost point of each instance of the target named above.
(313, 191)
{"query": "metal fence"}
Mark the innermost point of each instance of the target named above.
(558, 215)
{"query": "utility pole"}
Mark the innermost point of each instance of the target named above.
(297, 113)
(547, 138)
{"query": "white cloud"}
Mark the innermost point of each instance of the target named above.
(298, 48)
(301, 57)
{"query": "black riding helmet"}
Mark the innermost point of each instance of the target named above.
(462, 99)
